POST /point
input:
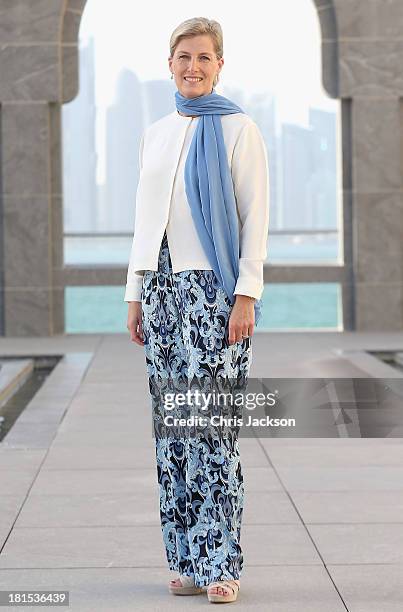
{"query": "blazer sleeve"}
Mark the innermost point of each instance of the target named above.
(134, 280)
(250, 175)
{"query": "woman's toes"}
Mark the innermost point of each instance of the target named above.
(219, 590)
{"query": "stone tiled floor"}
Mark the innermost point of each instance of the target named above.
(323, 521)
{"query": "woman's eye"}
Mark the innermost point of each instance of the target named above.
(203, 57)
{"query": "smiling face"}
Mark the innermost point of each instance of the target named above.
(195, 57)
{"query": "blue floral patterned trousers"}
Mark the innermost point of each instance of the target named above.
(201, 492)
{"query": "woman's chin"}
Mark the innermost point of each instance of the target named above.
(192, 92)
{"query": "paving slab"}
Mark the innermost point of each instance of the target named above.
(101, 438)
(20, 459)
(140, 454)
(115, 509)
(67, 547)
(142, 546)
(278, 545)
(9, 508)
(16, 482)
(325, 455)
(82, 503)
(252, 453)
(94, 482)
(335, 442)
(100, 458)
(260, 479)
(385, 506)
(360, 543)
(369, 588)
(371, 478)
(269, 508)
(91, 510)
(267, 589)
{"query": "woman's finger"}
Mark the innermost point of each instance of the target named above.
(137, 338)
(140, 330)
(234, 331)
(136, 332)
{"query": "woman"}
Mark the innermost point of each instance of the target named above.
(194, 284)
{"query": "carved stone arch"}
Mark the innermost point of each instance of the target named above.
(361, 65)
(71, 14)
(330, 55)
(70, 24)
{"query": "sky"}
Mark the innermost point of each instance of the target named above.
(264, 50)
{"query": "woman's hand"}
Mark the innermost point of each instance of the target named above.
(242, 318)
(134, 323)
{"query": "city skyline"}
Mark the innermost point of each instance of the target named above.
(291, 72)
(118, 99)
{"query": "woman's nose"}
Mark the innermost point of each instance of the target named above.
(193, 63)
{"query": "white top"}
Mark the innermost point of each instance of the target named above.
(161, 202)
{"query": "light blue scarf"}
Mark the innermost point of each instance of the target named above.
(209, 188)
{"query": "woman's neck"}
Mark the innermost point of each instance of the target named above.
(186, 115)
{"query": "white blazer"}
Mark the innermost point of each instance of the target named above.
(161, 203)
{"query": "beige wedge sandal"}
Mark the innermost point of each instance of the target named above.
(187, 586)
(230, 588)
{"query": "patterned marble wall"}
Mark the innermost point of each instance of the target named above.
(38, 72)
(362, 66)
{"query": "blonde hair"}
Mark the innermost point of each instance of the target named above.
(194, 27)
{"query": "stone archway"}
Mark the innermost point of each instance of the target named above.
(330, 64)
(361, 61)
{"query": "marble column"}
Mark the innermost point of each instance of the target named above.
(38, 73)
(362, 58)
